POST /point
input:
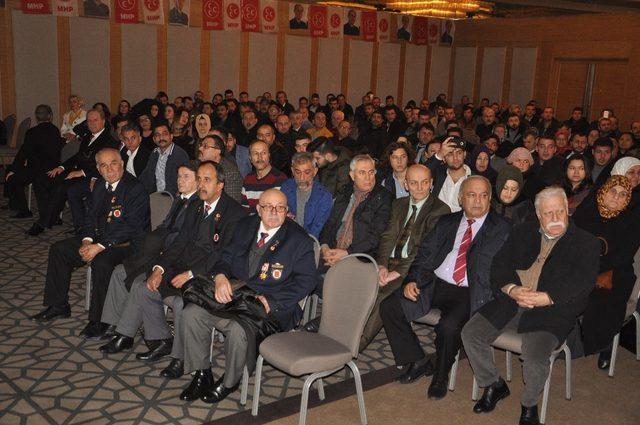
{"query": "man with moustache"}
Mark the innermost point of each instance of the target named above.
(262, 178)
(119, 213)
(212, 148)
(134, 154)
(541, 280)
(162, 168)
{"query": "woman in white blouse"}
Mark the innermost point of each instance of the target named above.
(73, 117)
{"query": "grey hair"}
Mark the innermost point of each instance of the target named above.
(303, 158)
(470, 179)
(551, 192)
(358, 158)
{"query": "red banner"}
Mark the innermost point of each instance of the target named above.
(152, 12)
(420, 30)
(65, 7)
(434, 31)
(383, 26)
(212, 18)
(269, 16)
(232, 15)
(126, 11)
(36, 7)
(369, 26)
(250, 15)
(318, 21)
(336, 20)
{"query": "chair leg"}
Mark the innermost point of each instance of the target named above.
(545, 393)
(356, 378)
(29, 190)
(305, 398)
(87, 294)
(614, 354)
(244, 386)
(256, 386)
(320, 386)
(474, 390)
(636, 316)
(509, 365)
(213, 338)
(567, 372)
(454, 373)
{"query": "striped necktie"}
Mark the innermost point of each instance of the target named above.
(460, 268)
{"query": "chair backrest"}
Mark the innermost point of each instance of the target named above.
(69, 150)
(22, 131)
(635, 293)
(316, 249)
(350, 290)
(10, 123)
(160, 203)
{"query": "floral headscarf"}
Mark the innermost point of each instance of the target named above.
(610, 183)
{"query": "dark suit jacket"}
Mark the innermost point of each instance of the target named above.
(568, 276)
(189, 251)
(148, 176)
(140, 160)
(289, 262)
(85, 159)
(369, 220)
(438, 244)
(426, 220)
(120, 219)
(178, 17)
(40, 151)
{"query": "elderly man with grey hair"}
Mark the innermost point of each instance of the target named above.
(541, 281)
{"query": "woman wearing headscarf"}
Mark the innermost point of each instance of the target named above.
(202, 124)
(607, 217)
(507, 200)
(630, 168)
(480, 163)
(522, 159)
(576, 180)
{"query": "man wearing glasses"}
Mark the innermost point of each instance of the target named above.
(273, 257)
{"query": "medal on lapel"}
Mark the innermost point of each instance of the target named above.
(117, 213)
(263, 271)
(113, 200)
(273, 247)
(217, 217)
(276, 270)
(216, 237)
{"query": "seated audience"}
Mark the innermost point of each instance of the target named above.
(309, 202)
(447, 275)
(134, 154)
(119, 213)
(603, 160)
(262, 178)
(630, 168)
(508, 200)
(394, 164)
(547, 167)
(576, 180)
(319, 127)
(269, 260)
(73, 117)
(213, 148)
(161, 171)
(541, 280)
(480, 163)
(449, 171)
(333, 163)
(234, 151)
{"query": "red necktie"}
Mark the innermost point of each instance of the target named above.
(207, 207)
(263, 238)
(460, 268)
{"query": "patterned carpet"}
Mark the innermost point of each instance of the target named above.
(48, 375)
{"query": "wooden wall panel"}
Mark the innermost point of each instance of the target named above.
(414, 73)
(465, 71)
(90, 60)
(523, 72)
(570, 86)
(297, 67)
(359, 70)
(262, 64)
(492, 73)
(388, 60)
(138, 66)
(329, 66)
(224, 61)
(439, 71)
(183, 61)
(609, 89)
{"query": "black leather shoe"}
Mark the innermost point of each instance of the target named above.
(312, 325)
(109, 333)
(174, 371)
(94, 330)
(604, 360)
(415, 371)
(202, 381)
(117, 344)
(22, 215)
(35, 230)
(491, 396)
(51, 313)
(218, 392)
(438, 389)
(529, 416)
(163, 349)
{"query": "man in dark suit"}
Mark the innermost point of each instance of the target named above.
(541, 280)
(274, 257)
(176, 15)
(213, 148)
(75, 177)
(161, 171)
(119, 212)
(404, 31)
(297, 22)
(96, 8)
(350, 27)
(451, 273)
(39, 153)
(134, 154)
(412, 218)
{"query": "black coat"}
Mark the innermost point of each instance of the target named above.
(189, 250)
(438, 244)
(140, 160)
(568, 276)
(40, 151)
(288, 263)
(369, 220)
(85, 159)
(118, 218)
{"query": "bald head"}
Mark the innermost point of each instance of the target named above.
(475, 196)
(418, 182)
(272, 208)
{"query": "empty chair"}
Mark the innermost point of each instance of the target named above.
(349, 292)
(160, 204)
(511, 342)
(69, 149)
(631, 313)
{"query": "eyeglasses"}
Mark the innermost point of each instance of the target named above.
(280, 209)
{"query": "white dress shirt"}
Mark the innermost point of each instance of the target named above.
(264, 230)
(132, 156)
(450, 190)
